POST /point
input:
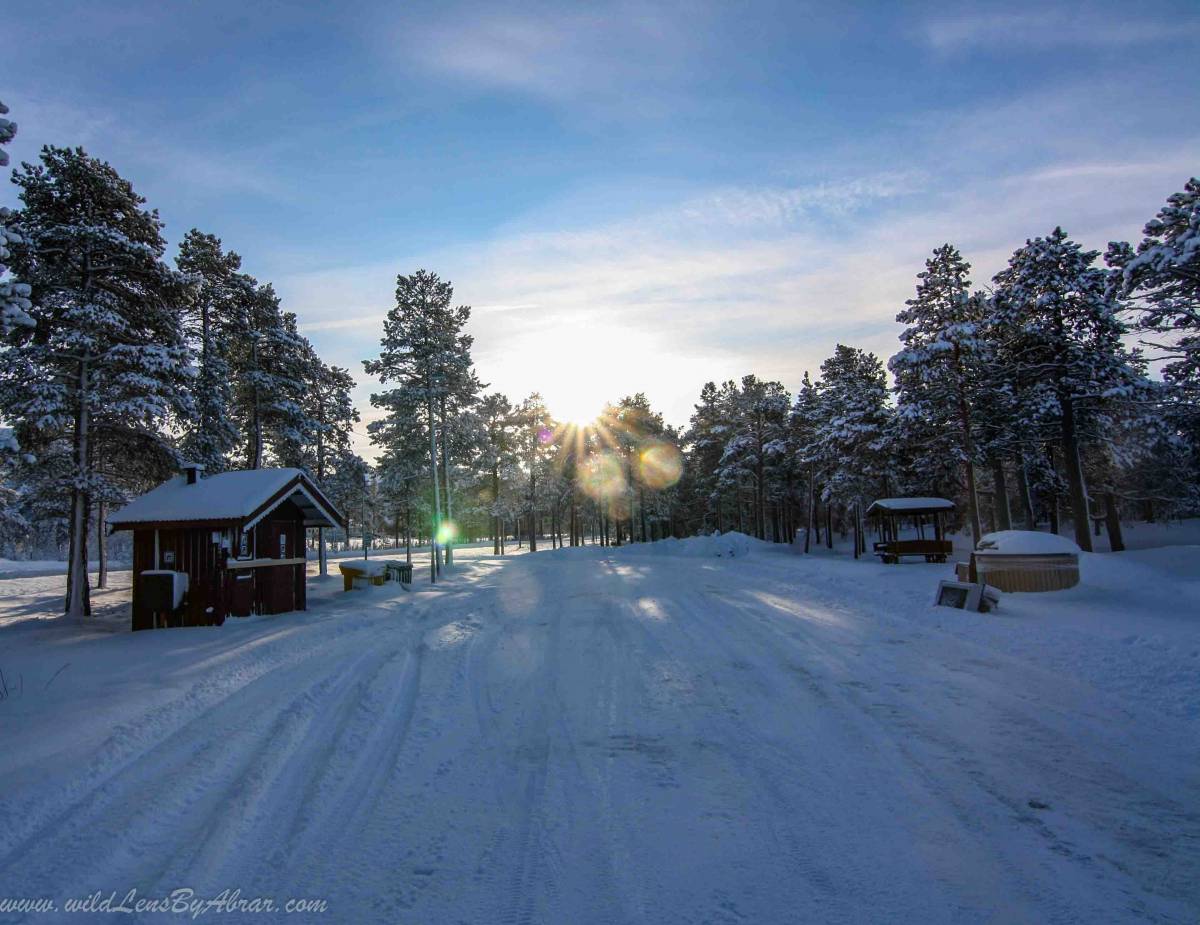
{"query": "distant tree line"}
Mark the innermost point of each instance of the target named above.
(1029, 402)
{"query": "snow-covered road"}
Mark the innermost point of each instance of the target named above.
(634, 736)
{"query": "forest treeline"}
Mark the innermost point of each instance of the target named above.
(117, 365)
(1061, 394)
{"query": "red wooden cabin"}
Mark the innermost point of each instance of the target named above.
(238, 536)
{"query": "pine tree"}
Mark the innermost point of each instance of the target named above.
(14, 295)
(803, 425)
(329, 410)
(108, 364)
(1061, 347)
(938, 372)
(1160, 284)
(14, 315)
(424, 351)
(854, 423)
(759, 422)
(213, 325)
(535, 445)
(496, 451)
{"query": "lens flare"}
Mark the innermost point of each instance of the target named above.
(659, 466)
(446, 532)
(604, 476)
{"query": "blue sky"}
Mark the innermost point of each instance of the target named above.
(631, 195)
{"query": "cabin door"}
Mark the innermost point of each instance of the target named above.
(241, 592)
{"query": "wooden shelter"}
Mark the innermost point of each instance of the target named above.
(238, 536)
(925, 515)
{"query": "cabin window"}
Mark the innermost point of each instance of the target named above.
(283, 546)
(244, 545)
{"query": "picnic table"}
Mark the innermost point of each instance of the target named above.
(362, 572)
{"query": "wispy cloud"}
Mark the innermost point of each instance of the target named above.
(1046, 27)
(638, 304)
(582, 54)
(147, 155)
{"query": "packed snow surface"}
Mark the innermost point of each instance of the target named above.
(1026, 543)
(649, 734)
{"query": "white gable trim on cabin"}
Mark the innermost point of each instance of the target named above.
(251, 524)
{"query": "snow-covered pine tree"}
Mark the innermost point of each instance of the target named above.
(496, 451)
(1059, 343)
(938, 371)
(851, 437)
(759, 422)
(269, 360)
(535, 446)
(422, 352)
(214, 313)
(14, 314)
(330, 414)
(108, 364)
(709, 431)
(14, 295)
(636, 426)
(803, 425)
(347, 484)
(459, 395)
(1160, 283)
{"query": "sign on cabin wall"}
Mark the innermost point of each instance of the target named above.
(169, 557)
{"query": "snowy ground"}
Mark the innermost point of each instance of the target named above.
(649, 734)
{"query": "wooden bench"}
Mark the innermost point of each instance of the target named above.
(932, 550)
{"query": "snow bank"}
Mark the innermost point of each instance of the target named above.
(1026, 543)
(39, 567)
(731, 545)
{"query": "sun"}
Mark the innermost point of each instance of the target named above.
(580, 410)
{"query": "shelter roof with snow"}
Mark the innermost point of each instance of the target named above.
(227, 499)
(910, 506)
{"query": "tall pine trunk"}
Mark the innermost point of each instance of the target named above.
(1024, 495)
(446, 477)
(437, 499)
(78, 604)
(1076, 486)
(968, 447)
(496, 525)
(101, 546)
(1112, 522)
(322, 553)
(1000, 485)
(532, 516)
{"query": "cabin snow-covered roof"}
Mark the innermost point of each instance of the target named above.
(911, 505)
(241, 496)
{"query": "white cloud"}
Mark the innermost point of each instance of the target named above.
(612, 56)
(665, 300)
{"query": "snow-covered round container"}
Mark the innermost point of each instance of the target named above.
(1026, 560)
